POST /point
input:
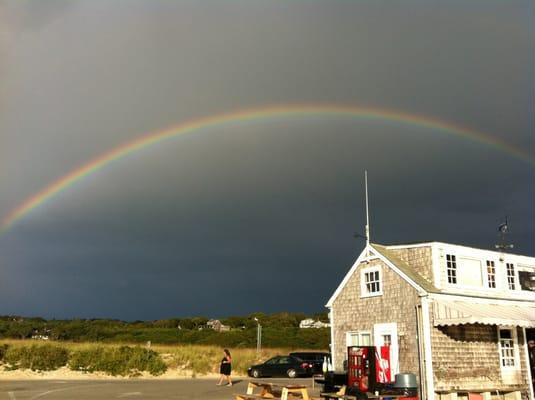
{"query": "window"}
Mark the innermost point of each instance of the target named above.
(371, 282)
(451, 268)
(469, 272)
(365, 339)
(510, 276)
(358, 339)
(387, 340)
(491, 274)
(507, 348)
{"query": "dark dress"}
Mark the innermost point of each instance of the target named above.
(225, 367)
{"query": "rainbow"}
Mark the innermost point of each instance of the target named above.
(279, 111)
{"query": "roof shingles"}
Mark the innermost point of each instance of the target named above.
(405, 268)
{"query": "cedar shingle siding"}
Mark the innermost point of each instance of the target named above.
(464, 357)
(397, 304)
(419, 258)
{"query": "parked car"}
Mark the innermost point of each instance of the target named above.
(315, 358)
(289, 366)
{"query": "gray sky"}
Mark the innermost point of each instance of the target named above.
(258, 215)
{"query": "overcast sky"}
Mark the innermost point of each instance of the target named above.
(255, 216)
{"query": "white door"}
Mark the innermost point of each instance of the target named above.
(387, 335)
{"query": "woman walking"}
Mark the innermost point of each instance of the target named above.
(225, 368)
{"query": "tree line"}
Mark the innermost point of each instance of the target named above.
(278, 330)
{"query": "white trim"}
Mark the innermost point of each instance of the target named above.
(435, 265)
(481, 300)
(437, 248)
(363, 284)
(333, 352)
(486, 267)
(483, 254)
(451, 258)
(361, 257)
(375, 255)
(410, 246)
(461, 276)
(489, 253)
(526, 355)
(505, 370)
(516, 281)
(428, 354)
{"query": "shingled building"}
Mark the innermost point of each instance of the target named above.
(457, 317)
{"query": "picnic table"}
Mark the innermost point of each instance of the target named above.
(272, 391)
(370, 396)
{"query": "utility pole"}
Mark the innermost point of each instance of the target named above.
(258, 337)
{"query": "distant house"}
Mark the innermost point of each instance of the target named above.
(457, 317)
(216, 325)
(44, 335)
(310, 323)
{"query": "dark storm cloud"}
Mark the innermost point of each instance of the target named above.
(251, 208)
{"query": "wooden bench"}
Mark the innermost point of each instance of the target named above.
(336, 396)
(273, 391)
(341, 394)
(253, 397)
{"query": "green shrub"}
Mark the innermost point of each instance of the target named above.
(122, 360)
(86, 360)
(45, 357)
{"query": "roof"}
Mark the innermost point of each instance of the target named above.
(447, 313)
(410, 275)
(491, 249)
(405, 268)
(395, 263)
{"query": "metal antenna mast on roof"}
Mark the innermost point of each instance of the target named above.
(367, 210)
(367, 235)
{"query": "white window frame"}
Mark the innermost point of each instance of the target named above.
(491, 264)
(363, 285)
(359, 335)
(460, 269)
(516, 358)
(453, 260)
(511, 279)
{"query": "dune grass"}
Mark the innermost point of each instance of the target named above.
(193, 360)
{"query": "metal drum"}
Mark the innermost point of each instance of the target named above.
(405, 381)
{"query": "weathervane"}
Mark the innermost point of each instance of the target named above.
(504, 230)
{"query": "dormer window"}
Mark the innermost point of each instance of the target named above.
(371, 284)
(491, 274)
(451, 268)
(510, 276)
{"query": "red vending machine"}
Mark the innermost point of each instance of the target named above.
(368, 367)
